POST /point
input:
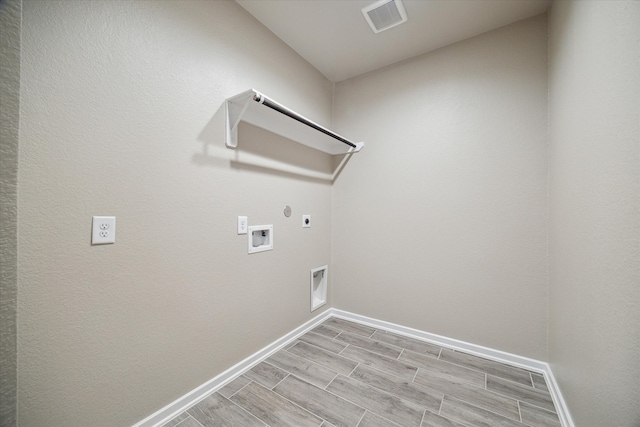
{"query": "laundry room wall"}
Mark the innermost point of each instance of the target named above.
(121, 115)
(440, 223)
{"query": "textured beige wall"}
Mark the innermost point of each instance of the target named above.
(441, 222)
(119, 103)
(594, 117)
(10, 11)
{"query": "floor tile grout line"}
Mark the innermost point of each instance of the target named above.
(402, 349)
(488, 360)
(473, 368)
(524, 401)
(287, 376)
(417, 368)
(382, 370)
(293, 403)
(330, 327)
(393, 423)
(317, 346)
(333, 394)
(352, 345)
(353, 370)
(511, 398)
(360, 420)
(324, 366)
(361, 333)
(325, 387)
(393, 394)
(343, 398)
(240, 406)
(340, 354)
(370, 337)
(535, 390)
(518, 400)
(520, 412)
(420, 386)
(186, 411)
(188, 416)
(310, 361)
(478, 407)
(375, 352)
(166, 423)
(411, 337)
(413, 380)
(199, 423)
(462, 423)
(323, 349)
(235, 392)
(446, 361)
(272, 365)
(423, 414)
(439, 347)
(540, 407)
(533, 384)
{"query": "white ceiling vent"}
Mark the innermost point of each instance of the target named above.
(384, 14)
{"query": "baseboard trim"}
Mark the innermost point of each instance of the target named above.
(194, 396)
(489, 353)
(478, 350)
(558, 400)
(173, 409)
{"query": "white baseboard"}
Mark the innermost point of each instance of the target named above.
(173, 409)
(478, 350)
(558, 400)
(194, 396)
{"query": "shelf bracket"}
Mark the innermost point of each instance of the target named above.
(234, 110)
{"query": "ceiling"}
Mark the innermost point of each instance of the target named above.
(335, 38)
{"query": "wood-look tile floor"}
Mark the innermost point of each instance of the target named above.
(346, 374)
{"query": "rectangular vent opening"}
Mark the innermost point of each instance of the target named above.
(384, 14)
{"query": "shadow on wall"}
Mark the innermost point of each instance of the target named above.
(264, 152)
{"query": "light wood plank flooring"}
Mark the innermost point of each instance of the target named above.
(346, 374)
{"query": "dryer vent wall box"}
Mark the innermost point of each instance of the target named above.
(319, 287)
(260, 238)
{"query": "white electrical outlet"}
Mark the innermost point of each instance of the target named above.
(103, 230)
(306, 221)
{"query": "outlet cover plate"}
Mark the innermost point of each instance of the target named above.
(103, 230)
(242, 225)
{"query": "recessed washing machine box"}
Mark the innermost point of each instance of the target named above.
(319, 278)
(260, 238)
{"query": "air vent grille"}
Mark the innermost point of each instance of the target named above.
(384, 14)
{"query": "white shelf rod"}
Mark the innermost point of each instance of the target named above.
(237, 106)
